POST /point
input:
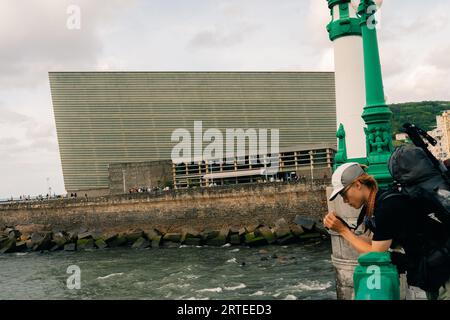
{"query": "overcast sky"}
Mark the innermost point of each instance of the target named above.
(186, 35)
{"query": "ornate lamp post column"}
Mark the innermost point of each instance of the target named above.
(358, 83)
(376, 115)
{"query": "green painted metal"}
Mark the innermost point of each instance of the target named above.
(344, 25)
(376, 115)
(341, 155)
(332, 3)
(376, 278)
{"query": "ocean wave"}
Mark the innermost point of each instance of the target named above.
(239, 286)
(226, 245)
(290, 297)
(235, 250)
(257, 293)
(276, 295)
(218, 289)
(110, 275)
(20, 253)
(312, 285)
(233, 260)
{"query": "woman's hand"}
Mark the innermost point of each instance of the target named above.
(333, 223)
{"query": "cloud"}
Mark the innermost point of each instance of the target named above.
(221, 36)
(34, 38)
(22, 133)
(439, 57)
(317, 18)
(233, 25)
(414, 50)
(8, 117)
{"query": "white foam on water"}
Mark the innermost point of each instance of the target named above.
(195, 298)
(259, 293)
(290, 297)
(20, 253)
(110, 275)
(312, 285)
(168, 286)
(218, 289)
(233, 260)
(140, 284)
(235, 250)
(239, 286)
(226, 245)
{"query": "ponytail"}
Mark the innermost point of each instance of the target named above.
(370, 182)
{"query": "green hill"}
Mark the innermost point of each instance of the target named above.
(422, 114)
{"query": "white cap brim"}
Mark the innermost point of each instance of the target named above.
(335, 193)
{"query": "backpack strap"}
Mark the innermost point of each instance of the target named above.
(386, 194)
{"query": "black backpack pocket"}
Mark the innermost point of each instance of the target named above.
(433, 270)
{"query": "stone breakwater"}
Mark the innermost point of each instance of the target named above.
(20, 239)
(238, 214)
(171, 211)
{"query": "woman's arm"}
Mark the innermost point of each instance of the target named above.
(358, 243)
(361, 245)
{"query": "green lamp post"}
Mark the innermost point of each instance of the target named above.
(365, 138)
(376, 115)
(364, 133)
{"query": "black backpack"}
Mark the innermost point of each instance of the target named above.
(420, 176)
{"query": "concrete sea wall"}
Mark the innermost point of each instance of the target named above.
(171, 211)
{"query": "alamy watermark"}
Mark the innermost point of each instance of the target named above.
(374, 10)
(374, 281)
(73, 21)
(374, 21)
(220, 150)
(74, 280)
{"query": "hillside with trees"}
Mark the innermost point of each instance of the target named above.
(422, 114)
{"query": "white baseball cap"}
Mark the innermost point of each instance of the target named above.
(344, 176)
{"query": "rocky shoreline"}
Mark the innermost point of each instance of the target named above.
(21, 239)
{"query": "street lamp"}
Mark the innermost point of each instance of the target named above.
(377, 114)
(49, 189)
